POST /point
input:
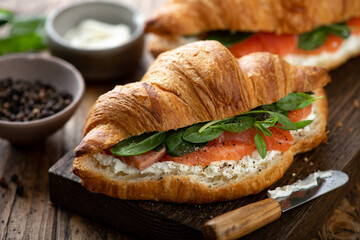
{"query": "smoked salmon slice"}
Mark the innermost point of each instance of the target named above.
(280, 141)
(144, 160)
(298, 115)
(214, 151)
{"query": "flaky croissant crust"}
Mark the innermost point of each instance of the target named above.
(198, 82)
(187, 17)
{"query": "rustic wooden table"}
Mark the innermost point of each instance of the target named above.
(32, 216)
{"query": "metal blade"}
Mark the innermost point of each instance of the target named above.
(325, 185)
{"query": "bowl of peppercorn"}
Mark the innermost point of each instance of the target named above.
(38, 94)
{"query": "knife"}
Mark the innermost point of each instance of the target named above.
(244, 220)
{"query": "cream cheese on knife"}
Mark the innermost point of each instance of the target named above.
(92, 34)
(307, 183)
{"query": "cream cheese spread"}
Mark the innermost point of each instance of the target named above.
(93, 34)
(348, 47)
(307, 183)
(219, 169)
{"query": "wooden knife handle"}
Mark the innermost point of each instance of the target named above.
(241, 221)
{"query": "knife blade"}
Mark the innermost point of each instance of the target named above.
(244, 220)
(324, 185)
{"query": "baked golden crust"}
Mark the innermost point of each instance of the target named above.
(160, 43)
(200, 82)
(187, 17)
(188, 189)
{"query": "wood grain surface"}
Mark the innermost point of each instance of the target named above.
(31, 216)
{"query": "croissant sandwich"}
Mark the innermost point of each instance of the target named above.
(320, 33)
(202, 126)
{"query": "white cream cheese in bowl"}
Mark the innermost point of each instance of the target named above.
(114, 54)
(93, 34)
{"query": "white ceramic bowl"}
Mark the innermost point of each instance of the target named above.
(100, 64)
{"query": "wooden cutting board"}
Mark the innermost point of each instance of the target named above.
(159, 220)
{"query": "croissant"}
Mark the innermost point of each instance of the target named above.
(195, 83)
(263, 25)
(187, 17)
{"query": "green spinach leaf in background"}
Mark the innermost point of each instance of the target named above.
(25, 25)
(25, 33)
(228, 38)
(5, 16)
(317, 37)
(340, 30)
(21, 43)
(312, 40)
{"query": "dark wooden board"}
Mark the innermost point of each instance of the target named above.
(148, 219)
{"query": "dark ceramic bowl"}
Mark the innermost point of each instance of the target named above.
(102, 64)
(49, 70)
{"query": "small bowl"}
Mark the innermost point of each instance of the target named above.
(49, 70)
(102, 64)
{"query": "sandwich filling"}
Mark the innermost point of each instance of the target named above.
(216, 172)
(268, 129)
(323, 39)
(337, 41)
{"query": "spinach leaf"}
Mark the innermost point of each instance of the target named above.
(340, 30)
(25, 25)
(207, 125)
(273, 108)
(176, 146)
(302, 124)
(295, 101)
(25, 34)
(5, 16)
(192, 134)
(227, 38)
(138, 144)
(312, 40)
(263, 129)
(283, 120)
(260, 144)
(22, 43)
(317, 37)
(299, 125)
(160, 146)
(269, 122)
(239, 124)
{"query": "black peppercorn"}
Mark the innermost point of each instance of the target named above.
(20, 190)
(24, 100)
(14, 178)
